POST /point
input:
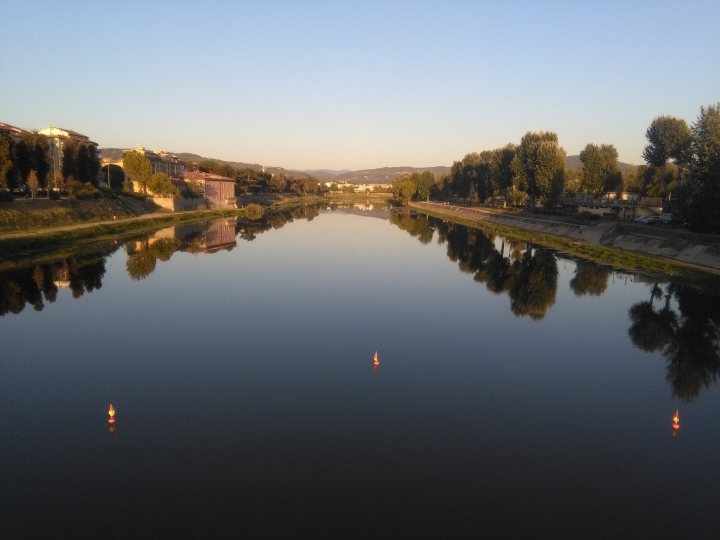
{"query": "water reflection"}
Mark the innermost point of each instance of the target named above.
(527, 274)
(678, 321)
(39, 284)
(683, 324)
(82, 273)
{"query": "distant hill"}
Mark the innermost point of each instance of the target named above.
(384, 175)
(324, 174)
(573, 162)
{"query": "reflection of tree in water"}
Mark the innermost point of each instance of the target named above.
(527, 275)
(248, 229)
(688, 336)
(589, 278)
(140, 262)
(83, 273)
(533, 283)
(39, 284)
(418, 226)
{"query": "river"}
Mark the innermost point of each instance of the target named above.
(517, 393)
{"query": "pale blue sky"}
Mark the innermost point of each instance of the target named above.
(336, 84)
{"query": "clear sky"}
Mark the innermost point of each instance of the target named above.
(365, 84)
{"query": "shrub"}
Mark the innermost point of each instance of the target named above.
(55, 195)
(81, 190)
(6, 196)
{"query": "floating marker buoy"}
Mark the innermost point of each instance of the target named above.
(111, 414)
(676, 421)
(376, 362)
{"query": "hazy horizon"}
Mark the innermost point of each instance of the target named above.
(320, 85)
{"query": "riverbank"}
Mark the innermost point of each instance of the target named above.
(629, 246)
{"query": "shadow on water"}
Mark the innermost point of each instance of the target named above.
(681, 322)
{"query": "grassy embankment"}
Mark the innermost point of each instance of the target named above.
(610, 256)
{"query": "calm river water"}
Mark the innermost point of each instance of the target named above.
(518, 393)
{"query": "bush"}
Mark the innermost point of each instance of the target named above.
(6, 196)
(55, 195)
(82, 190)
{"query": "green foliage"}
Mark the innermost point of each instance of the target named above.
(81, 190)
(278, 183)
(80, 161)
(6, 163)
(668, 138)
(600, 171)
(701, 195)
(423, 181)
(403, 189)
(138, 168)
(161, 185)
(539, 166)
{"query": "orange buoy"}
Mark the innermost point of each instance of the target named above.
(111, 414)
(676, 421)
(376, 362)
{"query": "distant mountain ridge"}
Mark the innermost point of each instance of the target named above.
(385, 175)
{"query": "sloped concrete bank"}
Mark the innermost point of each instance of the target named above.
(699, 251)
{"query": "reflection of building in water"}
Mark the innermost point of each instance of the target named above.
(219, 191)
(217, 234)
(365, 207)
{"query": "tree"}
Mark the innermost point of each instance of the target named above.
(403, 189)
(138, 168)
(701, 196)
(539, 166)
(69, 159)
(33, 183)
(668, 138)
(5, 160)
(58, 180)
(423, 183)
(503, 173)
(600, 171)
(278, 183)
(161, 185)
